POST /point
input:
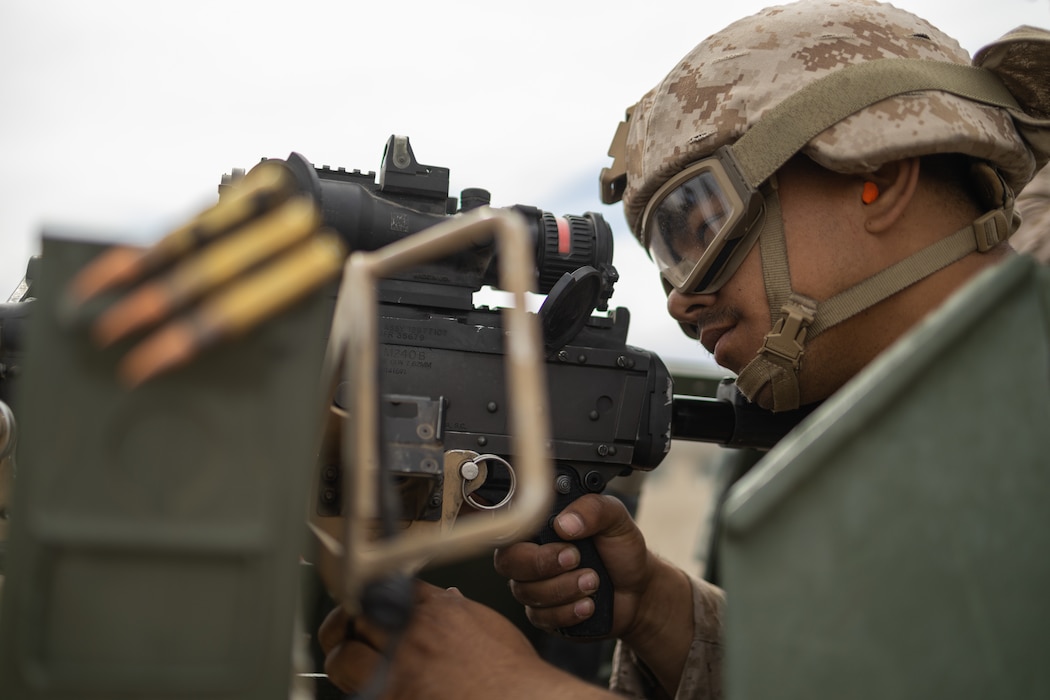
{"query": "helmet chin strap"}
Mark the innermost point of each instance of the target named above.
(779, 360)
(798, 319)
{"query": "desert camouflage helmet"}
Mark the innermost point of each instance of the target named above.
(734, 79)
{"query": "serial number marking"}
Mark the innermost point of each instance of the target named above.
(398, 360)
(402, 353)
(418, 334)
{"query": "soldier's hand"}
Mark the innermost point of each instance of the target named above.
(555, 592)
(454, 648)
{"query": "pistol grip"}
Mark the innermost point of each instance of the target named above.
(600, 623)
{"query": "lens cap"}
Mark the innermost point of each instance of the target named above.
(568, 306)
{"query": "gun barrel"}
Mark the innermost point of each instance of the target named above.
(704, 419)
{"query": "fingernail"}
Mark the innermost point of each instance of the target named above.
(588, 583)
(568, 558)
(584, 608)
(571, 524)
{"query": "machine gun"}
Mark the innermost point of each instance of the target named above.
(442, 377)
(441, 373)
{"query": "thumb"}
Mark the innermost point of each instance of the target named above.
(591, 515)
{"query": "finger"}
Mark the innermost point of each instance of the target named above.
(594, 514)
(561, 617)
(367, 631)
(561, 590)
(425, 591)
(379, 635)
(332, 631)
(351, 665)
(528, 561)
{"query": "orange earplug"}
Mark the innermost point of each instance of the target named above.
(870, 193)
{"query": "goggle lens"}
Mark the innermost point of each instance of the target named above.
(693, 225)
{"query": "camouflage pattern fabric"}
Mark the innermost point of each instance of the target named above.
(1033, 204)
(702, 676)
(726, 84)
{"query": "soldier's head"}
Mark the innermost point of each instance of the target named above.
(814, 178)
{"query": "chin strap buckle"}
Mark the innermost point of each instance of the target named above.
(997, 225)
(991, 229)
(788, 336)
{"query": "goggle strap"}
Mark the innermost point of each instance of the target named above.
(792, 123)
(986, 232)
(775, 270)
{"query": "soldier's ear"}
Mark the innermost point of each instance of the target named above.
(885, 194)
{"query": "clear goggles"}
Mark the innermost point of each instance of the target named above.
(701, 223)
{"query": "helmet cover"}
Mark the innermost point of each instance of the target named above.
(730, 80)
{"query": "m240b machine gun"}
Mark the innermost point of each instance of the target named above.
(441, 371)
(441, 356)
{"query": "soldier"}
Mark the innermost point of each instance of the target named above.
(833, 171)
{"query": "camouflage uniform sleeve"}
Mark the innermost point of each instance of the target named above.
(1033, 203)
(702, 676)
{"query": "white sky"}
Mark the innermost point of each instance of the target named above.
(121, 115)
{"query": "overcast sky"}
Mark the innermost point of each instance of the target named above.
(121, 116)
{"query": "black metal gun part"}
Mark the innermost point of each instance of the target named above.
(730, 420)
